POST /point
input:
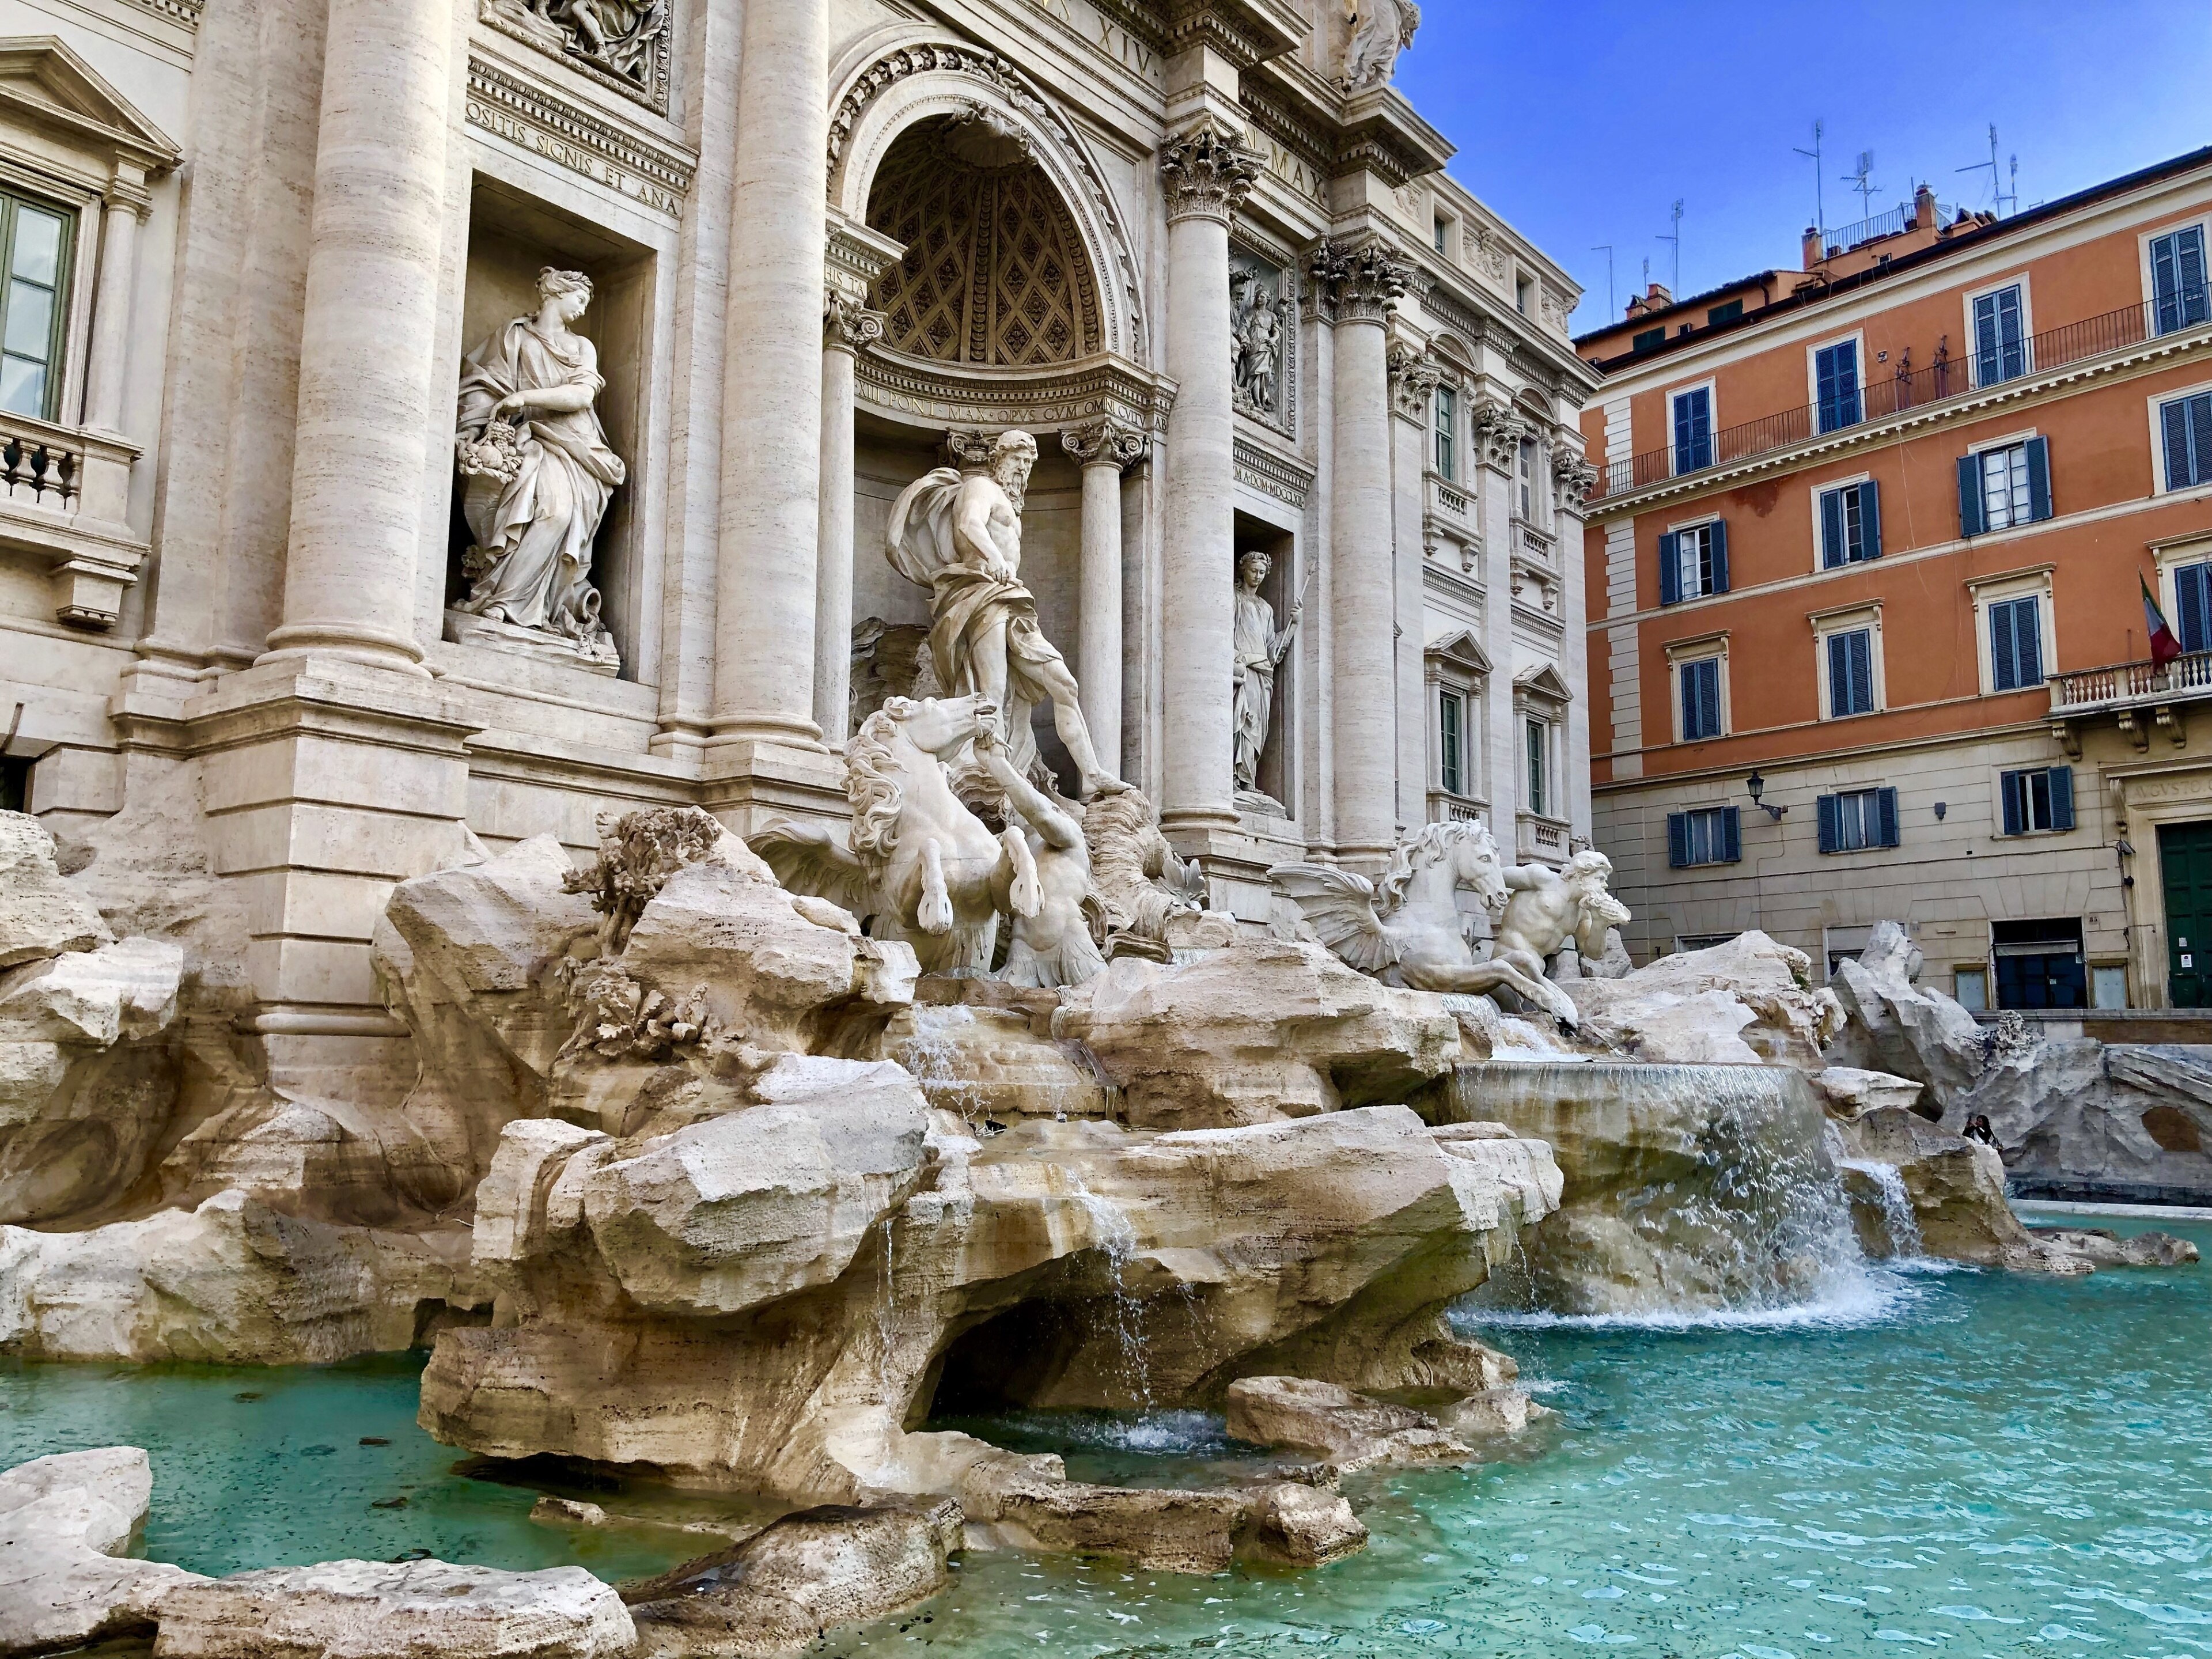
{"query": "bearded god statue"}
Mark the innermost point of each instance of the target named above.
(537, 475)
(959, 535)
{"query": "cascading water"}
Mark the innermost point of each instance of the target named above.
(1880, 1188)
(1117, 1239)
(1691, 1192)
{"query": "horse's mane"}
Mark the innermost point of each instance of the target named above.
(1435, 841)
(873, 786)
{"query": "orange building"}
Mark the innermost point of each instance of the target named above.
(1865, 562)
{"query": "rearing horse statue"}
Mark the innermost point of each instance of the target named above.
(921, 868)
(1406, 930)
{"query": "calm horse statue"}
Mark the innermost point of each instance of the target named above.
(1408, 930)
(921, 868)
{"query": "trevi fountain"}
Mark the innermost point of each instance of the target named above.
(951, 1233)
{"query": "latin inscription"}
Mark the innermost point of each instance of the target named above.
(1107, 36)
(584, 163)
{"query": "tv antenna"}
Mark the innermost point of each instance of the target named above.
(1675, 217)
(1819, 182)
(1863, 181)
(1998, 196)
(1606, 248)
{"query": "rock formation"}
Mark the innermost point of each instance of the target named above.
(1749, 1002)
(67, 1524)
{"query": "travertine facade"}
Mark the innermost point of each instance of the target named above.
(464, 292)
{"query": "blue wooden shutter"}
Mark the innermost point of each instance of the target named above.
(2195, 303)
(1670, 569)
(2192, 590)
(1858, 671)
(1720, 555)
(1831, 823)
(2164, 284)
(2039, 478)
(1885, 802)
(1731, 836)
(1833, 552)
(1870, 518)
(1708, 699)
(2004, 648)
(2188, 424)
(1971, 521)
(2027, 631)
(2012, 787)
(1677, 840)
(2062, 797)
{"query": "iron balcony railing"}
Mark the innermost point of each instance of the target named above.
(1897, 219)
(2187, 677)
(1910, 388)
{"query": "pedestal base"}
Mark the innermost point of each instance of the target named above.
(464, 628)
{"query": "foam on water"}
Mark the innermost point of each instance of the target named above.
(1858, 1296)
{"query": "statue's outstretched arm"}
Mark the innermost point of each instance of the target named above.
(1059, 830)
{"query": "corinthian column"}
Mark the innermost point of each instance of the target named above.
(847, 329)
(1104, 448)
(1360, 285)
(368, 341)
(1208, 174)
(770, 530)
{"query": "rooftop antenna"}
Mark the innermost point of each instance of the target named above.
(1819, 181)
(1997, 197)
(1606, 248)
(1862, 182)
(1676, 218)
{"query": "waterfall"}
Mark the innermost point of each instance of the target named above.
(1691, 1192)
(1900, 1225)
(1114, 1235)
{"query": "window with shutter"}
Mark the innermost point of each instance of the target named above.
(1831, 812)
(1693, 429)
(1450, 774)
(2017, 644)
(2192, 592)
(1717, 543)
(1710, 835)
(1835, 379)
(1701, 699)
(2186, 425)
(1670, 569)
(2009, 479)
(2037, 452)
(2177, 280)
(2037, 798)
(1677, 840)
(1850, 525)
(2000, 338)
(1447, 423)
(1885, 830)
(1971, 519)
(1850, 673)
(1540, 768)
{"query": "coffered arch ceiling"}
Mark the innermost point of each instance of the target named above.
(994, 273)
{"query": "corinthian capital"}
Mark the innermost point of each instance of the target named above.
(1208, 173)
(1357, 284)
(847, 326)
(1414, 377)
(1499, 429)
(1104, 443)
(1577, 478)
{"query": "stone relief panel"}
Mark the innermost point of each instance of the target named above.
(621, 44)
(1263, 336)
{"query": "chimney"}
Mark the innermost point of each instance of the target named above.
(1812, 252)
(1923, 207)
(1656, 298)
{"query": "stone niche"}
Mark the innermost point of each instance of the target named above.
(1277, 777)
(511, 237)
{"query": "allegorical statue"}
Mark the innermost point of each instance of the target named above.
(617, 33)
(1261, 647)
(960, 536)
(1256, 339)
(538, 472)
(1380, 29)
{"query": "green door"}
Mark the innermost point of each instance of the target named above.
(2185, 862)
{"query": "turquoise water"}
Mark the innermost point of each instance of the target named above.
(1973, 1464)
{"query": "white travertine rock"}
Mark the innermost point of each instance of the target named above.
(2104, 1248)
(1304, 1526)
(396, 1610)
(95, 997)
(785, 1588)
(1850, 1093)
(1901, 1028)
(1958, 1192)
(1346, 1430)
(1264, 1031)
(512, 1199)
(232, 1282)
(41, 915)
(66, 1523)
(757, 1204)
(1747, 1002)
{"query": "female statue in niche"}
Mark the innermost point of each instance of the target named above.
(1261, 647)
(539, 471)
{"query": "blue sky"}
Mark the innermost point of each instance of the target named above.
(1581, 121)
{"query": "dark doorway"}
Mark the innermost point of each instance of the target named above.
(2039, 963)
(2185, 862)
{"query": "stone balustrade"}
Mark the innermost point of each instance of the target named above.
(63, 493)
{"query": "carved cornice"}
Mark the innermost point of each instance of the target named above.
(847, 326)
(1263, 470)
(1106, 443)
(187, 12)
(1383, 136)
(532, 119)
(855, 256)
(1357, 284)
(519, 21)
(1038, 400)
(1415, 375)
(1208, 174)
(1242, 31)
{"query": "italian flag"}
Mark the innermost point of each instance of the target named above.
(2164, 647)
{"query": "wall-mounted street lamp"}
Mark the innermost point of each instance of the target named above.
(1757, 785)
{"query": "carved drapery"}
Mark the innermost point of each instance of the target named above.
(994, 272)
(1208, 174)
(622, 44)
(1357, 284)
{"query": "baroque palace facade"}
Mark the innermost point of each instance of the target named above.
(1868, 564)
(435, 418)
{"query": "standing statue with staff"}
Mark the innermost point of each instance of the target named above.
(960, 536)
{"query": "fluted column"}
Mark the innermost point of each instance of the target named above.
(125, 204)
(368, 341)
(770, 529)
(1105, 448)
(1208, 173)
(847, 329)
(1360, 285)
